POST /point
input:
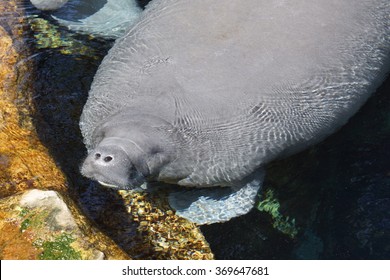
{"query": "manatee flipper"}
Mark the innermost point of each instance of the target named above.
(111, 21)
(217, 204)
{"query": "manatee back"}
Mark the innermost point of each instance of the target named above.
(245, 81)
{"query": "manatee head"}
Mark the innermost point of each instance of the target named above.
(115, 162)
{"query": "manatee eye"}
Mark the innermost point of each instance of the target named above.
(97, 156)
(108, 159)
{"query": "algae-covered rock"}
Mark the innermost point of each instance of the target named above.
(39, 225)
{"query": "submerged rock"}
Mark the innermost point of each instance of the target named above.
(39, 225)
(162, 231)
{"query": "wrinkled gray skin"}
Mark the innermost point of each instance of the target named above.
(203, 94)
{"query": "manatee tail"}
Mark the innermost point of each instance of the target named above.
(217, 204)
(111, 21)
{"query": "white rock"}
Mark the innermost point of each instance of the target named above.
(48, 4)
(50, 201)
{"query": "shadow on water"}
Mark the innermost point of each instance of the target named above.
(338, 191)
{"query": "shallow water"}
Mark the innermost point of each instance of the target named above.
(337, 192)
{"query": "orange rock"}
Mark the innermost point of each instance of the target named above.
(28, 163)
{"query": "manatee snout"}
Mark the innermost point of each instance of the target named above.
(112, 167)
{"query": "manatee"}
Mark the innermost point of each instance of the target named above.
(203, 94)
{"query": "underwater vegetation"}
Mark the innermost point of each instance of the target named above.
(271, 205)
(50, 36)
(59, 249)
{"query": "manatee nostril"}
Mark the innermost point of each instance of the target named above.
(108, 159)
(97, 155)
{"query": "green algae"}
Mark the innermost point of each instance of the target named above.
(49, 36)
(59, 249)
(271, 205)
(23, 212)
(25, 224)
(32, 218)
